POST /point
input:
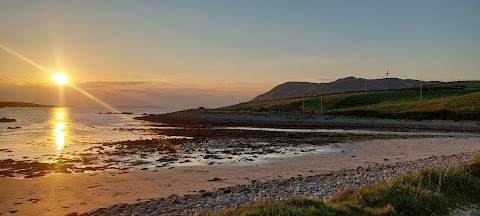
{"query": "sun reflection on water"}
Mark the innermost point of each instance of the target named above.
(60, 129)
(60, 115)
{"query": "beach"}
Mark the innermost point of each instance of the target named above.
(59, 194)
(239, 108)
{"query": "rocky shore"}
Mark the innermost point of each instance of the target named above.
(208, 118)
(322, 186)
(183, 146)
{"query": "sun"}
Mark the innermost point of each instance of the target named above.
(60, 78)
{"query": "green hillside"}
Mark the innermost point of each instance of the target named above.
(461, 102)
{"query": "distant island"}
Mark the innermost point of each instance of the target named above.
(21, 104)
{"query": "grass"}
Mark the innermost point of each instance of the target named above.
(448, 107)
(445, 104)
(427, 192)
(464, 84)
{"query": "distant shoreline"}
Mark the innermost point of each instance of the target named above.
(210, 118)
(22, 104)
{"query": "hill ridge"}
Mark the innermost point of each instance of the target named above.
(343, 85)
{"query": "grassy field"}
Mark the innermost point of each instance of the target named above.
(459, 100)
(426, 192)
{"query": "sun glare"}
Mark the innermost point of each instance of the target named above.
(60, 78)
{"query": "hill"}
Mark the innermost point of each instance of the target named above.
(456, 100)
(21, 104)
(349, 84)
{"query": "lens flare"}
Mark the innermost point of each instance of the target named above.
(60, 78)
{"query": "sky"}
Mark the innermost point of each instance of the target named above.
(190, 53)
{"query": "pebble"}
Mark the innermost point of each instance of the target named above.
(322, 186)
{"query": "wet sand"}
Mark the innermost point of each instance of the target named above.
(59, 194)
(179, 147)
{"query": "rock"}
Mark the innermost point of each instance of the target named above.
(215, 179)
(207, 194)
(472, 213)
(7, 120)
(8, 161)
(245, 189)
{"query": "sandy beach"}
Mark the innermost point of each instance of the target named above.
(60, 194)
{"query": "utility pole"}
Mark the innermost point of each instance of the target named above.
(421, 90)
(386, 78)
(303, 105)
(321, 101)
(366, 84)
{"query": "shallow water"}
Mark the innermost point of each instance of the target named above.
(47, 132)
(66, 139)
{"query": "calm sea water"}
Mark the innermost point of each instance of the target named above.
(46, 132)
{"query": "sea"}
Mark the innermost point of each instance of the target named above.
(42, 132)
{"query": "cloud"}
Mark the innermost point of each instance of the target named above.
(124, 94)
(100, 83)
(134, 84)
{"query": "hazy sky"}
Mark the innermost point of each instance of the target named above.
(217, 52)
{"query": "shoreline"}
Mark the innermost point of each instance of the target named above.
(322, 186)
(202, 118)
(81, 193)
(184, 147)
